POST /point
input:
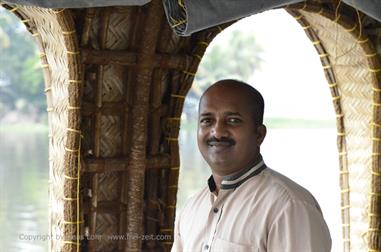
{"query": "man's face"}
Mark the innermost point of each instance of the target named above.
(228, 137)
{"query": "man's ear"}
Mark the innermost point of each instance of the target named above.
(261, 134)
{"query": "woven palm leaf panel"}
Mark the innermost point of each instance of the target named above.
(60, 62)
(344, 40)
(137, 73)
(116, 79)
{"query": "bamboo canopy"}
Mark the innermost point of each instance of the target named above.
(116, 78)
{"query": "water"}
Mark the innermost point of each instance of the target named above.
(308, 156)
(23, 190)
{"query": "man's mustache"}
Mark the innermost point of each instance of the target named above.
(223, 140)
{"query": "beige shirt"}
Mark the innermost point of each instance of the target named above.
(255, 210)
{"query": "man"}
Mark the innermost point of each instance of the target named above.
(246, 205)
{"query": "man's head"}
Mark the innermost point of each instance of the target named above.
(230, 126)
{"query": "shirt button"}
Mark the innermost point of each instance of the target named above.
(215, 210)
(206, 247)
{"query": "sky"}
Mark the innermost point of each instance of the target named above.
(291, 78)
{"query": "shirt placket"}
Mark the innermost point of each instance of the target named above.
(215, 216)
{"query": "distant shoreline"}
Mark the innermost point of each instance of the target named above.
(278, 122)
(23, 127)
(271, 123)
(284, 123)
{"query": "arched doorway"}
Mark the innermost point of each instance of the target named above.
(301, 138)
(350, 65)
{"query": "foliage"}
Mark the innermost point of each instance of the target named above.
(21, 80)
(235, 54)
(237, 57)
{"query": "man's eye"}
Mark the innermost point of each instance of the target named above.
(205, 121)
(234, 120)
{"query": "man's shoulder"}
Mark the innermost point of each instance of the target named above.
(284, 188)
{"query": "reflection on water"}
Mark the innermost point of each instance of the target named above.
(308, 156)
(23, 190)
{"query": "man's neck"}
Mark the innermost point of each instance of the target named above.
(218, 178)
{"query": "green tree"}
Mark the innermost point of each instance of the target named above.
(236, 57)
(21, 80)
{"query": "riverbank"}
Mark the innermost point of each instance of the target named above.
(282, 123)
(271, 123)
(23, 127)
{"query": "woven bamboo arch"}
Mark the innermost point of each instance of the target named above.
(351, 65)
(116, 79)
(61, 67)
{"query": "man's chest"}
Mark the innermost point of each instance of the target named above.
(235, 223)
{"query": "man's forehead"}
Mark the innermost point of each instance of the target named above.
(218, 103)
(225, 98)
(222, 93)
(225, 91)
(223, 106)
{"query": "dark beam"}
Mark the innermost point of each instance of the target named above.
(102, 165)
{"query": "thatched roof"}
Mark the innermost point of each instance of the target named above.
(188, 16)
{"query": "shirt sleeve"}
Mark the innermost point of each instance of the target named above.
(299, 226)
(177, 243)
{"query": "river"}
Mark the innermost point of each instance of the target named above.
(308, 156)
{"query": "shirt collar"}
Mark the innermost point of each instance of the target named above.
(233, 181)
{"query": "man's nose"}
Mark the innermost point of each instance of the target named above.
(219, 130)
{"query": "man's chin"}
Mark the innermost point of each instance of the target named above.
(220, 150)
(221, 166)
